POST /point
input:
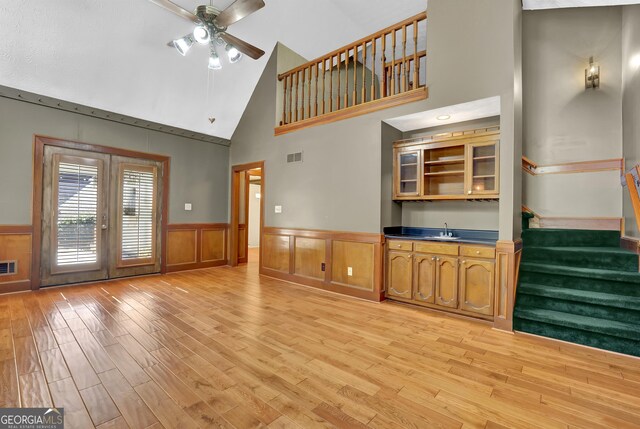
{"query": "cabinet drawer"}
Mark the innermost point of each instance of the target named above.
(478, 252)
(400, 245)
(437, 248)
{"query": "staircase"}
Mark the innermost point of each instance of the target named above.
(579, 286)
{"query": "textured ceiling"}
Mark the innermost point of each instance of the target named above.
(112, 55)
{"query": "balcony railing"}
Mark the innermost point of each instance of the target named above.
(382, 70)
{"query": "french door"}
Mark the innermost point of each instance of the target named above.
(101, 216)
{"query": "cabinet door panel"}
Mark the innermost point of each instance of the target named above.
(477, 286)
(424, 271)
(447, 282)
(400, 275)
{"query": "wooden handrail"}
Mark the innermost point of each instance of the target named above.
(419, 17)
(572, 167)
(385, 64)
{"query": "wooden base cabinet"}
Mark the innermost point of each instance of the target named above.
(477, 286)
(446, 282)
(400, 274)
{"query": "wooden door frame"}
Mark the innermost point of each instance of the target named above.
(235, 208)
(39, 142)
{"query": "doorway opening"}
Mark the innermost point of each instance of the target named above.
(247, 212)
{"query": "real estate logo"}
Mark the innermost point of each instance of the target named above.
(31, 418)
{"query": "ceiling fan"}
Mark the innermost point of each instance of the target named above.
(211, 29)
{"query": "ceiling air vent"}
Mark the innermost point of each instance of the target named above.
(294, 157)
(8, 268)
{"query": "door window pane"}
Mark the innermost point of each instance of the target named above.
(138, 214)
(76, 214)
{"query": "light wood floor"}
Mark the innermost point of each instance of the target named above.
(225, 348)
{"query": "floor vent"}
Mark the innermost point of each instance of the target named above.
(8, 268)
(294, 157)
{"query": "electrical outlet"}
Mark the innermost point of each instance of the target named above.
(350, 271)
(323, 266)
(188, 207)
(278, 209)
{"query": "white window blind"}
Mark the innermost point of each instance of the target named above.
(138, 214)
(77, 214)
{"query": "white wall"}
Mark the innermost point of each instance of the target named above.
(563, 122)
(254, 215)
(631, 102)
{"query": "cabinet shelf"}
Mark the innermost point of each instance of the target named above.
(446, 173)
(412, 180)
(487, 176)
(409, 165)
(445, 161)
(479, 158)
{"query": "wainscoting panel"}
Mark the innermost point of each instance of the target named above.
(310, 256)
(275, 252)
(360, 257)
(15, 245)
(192, 246)
(298, 255)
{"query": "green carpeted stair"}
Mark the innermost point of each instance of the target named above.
(579, 286)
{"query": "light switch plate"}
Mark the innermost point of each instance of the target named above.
(188, 207)
(278, 209)
(350, 271)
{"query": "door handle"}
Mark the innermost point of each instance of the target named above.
(104, 221)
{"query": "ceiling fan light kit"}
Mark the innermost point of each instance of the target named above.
(211, 29)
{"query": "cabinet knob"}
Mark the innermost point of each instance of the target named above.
(477, 252)
(469, 192)
(433, 258)
(463, 262)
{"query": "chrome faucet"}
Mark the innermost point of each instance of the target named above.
(446, 230)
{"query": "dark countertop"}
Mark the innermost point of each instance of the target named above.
(468, 236)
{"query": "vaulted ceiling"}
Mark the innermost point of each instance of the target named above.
(112, 55)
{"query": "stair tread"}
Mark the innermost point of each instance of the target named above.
(585, 323)
(586, 296)
(586, 249)
(614, 275)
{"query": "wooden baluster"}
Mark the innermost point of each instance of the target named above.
(297, 94)
(302, 84)
(284, 101)
(363, 97)
(416, 62)
(338, 57)
(290, 98)
(346, 78)
(373, 69)
(315, 109)
(354, 99)
(324, 66)
(384, 89)
(331, 84)
(309, 98)
(393, 62)
(404, 58)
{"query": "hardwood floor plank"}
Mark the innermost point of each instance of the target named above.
(164, 408)
(9, 391)
(34, 390)
(65, 395)
(99, 404)
(131, 406)
(80, 368)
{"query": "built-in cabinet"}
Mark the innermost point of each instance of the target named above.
(462, 165)
(450, 277)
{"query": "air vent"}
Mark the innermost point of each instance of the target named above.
(294, 157)
(8, 268)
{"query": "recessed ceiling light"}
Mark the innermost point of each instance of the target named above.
(443, 117)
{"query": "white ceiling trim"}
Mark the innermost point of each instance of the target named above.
(556, 4)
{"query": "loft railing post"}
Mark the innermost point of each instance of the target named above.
(338, 57)
(354, 100)
(346, 78)
(364, 73)
(297, 93)
(416, 61)
(373, 69)
(309, 97)
(393, 62)
(324, 94)
(404, 58)
(284, 100)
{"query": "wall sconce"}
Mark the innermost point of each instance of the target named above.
(592, 75)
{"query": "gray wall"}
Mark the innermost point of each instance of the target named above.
(338, 186)
(199, 171)
(631, 102)
(563, 122)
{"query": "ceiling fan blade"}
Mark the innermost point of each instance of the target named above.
(174, 8)
(244, 47)
(238, 10)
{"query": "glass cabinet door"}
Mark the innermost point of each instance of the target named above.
(408, 173)
(483, 172)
